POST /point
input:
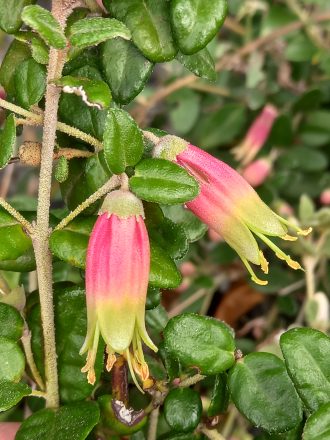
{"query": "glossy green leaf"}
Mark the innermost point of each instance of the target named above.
(10, 14)
(201, 64)
(70, 244)
(163, 271)
(195, 22)
(7, 140)
(125, 68)
(193, 227)
(43, 22)
(149, 23)
(11, 322)
(85, 177)
(183, 409)
(12, 360)
(220, 396)
(73, 111)
(123, 141)
(57, 424)
(306, 352)
(30, 83)
(200, 341)
(92, 31)
(39, 49)
(153, 298)
(318, 424)
(93, 93)
(262, 391)
(71, 325)
(14, 242)
(161, 181)
(163, 231)
(16, 54)
(11, 393)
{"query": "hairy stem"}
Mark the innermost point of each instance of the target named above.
(26, 342)
(40, 238)
(107, 187)
(27, 225)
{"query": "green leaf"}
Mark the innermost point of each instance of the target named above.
(125, 69)
(149, 23)
(70, 243)
(221, 127)
(308, 101)
(196, 22)
(12, 360)
(318, 424)
(306, 352)
(93, 93)
(39, 49)
(11, 393)
(163, 231)
(11, 322)
(201, 342)
(220, 396)
(14, 242)
(183, 409)
(300, 49)
(303, 158)
(85, 177)
(262, 391)
(70, 324)
(7, 140)
(43, 22)
(16, 54)
(153, 298)
(73, 111)
(163, 271)
(93, 31)
(10, 14)
(161, 181)
(201, 64)
(123, 141)
(30, 83)
(193, 227)
(56, 424)
(185, 109)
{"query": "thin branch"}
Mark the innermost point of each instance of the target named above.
(26, 342)
(153, 423)
(191, 380)
(212, 434)
(107, 187)
(25, 223)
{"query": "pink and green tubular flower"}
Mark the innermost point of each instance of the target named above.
(117, 273)
(231, 207)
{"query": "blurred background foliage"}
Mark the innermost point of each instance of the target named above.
(268, 52)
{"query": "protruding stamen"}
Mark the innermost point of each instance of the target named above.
(263, 263)
(111, 359)
(288, 237)
(278, 252)
(304, 232)
(131, 369)
(91, 356)
(253, 275)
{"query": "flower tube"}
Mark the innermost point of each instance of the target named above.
(117, 273)
(230, 206)
(256, 135)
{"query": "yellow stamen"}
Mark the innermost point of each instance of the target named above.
(305, 232)
(253, 275)
(288, 237)
(278, 252)
(111, 359)
(91, 356)
(131, 369)
(263, 263)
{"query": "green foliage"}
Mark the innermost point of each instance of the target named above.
(183, 409)
(317, 425)
(7, 140)
(11, 393)
(11, 322)
(30, 83)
